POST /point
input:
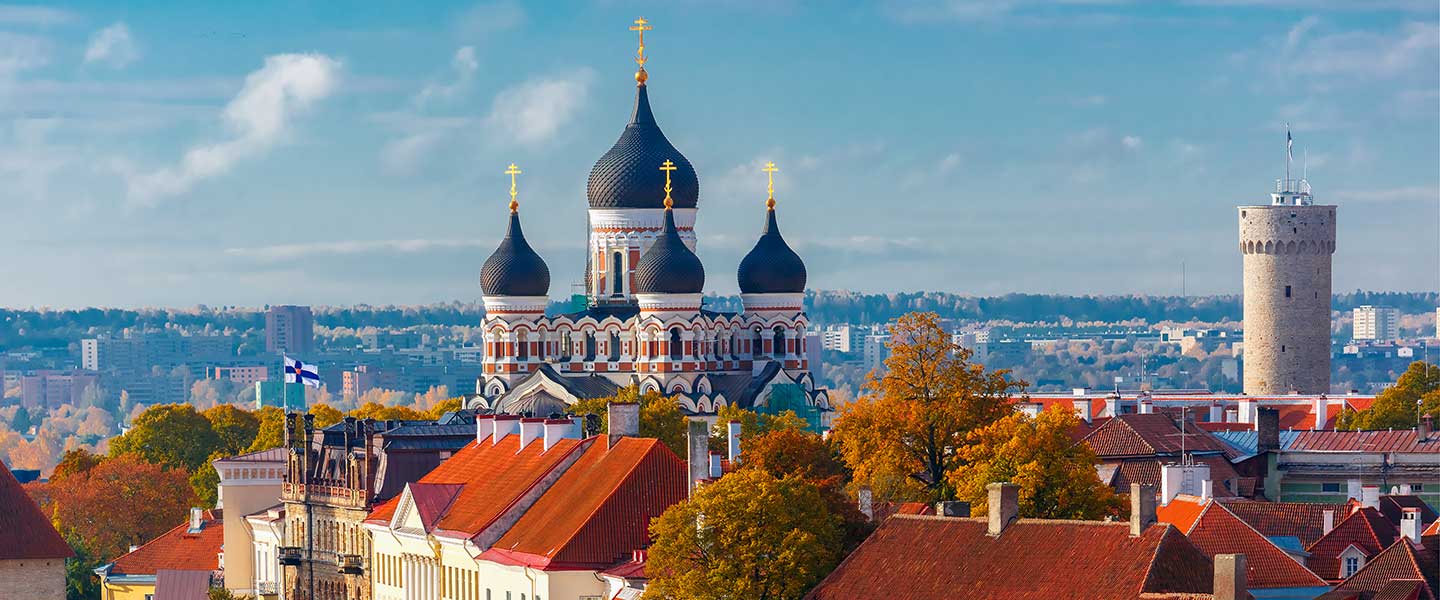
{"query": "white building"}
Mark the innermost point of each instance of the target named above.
(845, 338)
(267, 531)
(877, 349)
(1376, 323)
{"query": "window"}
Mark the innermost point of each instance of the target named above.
(589, 346)
(1287, 291)
(617, 287)
(1330, 487)
(1352, 564)
(676, 345)
(1416, 488)
(614, 346)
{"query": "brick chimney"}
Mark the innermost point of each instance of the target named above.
(1267, 427)
(624, 420)
(1142, 508)
(698, 448)
(1230, 577)
(1004, 505)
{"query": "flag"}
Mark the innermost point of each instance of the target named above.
(299, 372)
(1289, 143)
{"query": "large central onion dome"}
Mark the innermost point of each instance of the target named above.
(668, 266)
(772, 267)
(515, 269)
(626, 177)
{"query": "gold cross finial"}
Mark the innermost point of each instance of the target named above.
(667, 167)
(512, 171)
(770, 169)
(641, 26)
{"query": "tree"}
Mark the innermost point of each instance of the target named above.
(753, 423)
(900, 437)
(748, 535)
(205, 481)
(271, 430)
(444, 406)
(80, 580)
(119, 502)
(795, 452)
(75, 462)
(21, 423)
(235, 428)
(173, 435)
(660, 416)
(1056, 475)
(326, 415)
(1416, 392)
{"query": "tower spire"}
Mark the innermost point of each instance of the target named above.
(667, 167)
(512, 171)
(641, 26)
(770, 169)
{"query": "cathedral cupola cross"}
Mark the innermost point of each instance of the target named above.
(667, 167)
(512, 171)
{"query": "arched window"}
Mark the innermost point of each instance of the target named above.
(589, 346)
(522, 345)
(757, 344)
(566, 350)
(779, 341)
(617, 285)
(614, 346)
(677, 346)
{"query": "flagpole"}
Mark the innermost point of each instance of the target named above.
(1287, 157)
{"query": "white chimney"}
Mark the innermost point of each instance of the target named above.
(1004, 505)
(484, 427)
(1112, 405)
(559, 429)
(867, 505)
(1217, 412)
(1247, 410)
(1207, 490)
(1410, 524)
(1405, 490)
(717, 469)
(531, 430)
(1082, 408)
(1352, 489)
(504, 425)
(1327, 521)
(733, 436)
(697, 438)
(197, 519)
(1146, 406)
(1321, 411)
(1370, 496)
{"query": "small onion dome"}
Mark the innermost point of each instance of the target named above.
(625, 177)
(515, 269)
(668, 266)
(772, 267)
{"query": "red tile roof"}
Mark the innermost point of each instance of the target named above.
(1400, 561)
(1364, 528)
(1146, 471)
(1434, 529)
(1216, 530)
(431, 500)
(927, 557)
(1399, 440)
(1148, 435)
(177, 549)
(1303, 520)
(24, 530)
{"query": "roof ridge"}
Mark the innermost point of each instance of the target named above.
(1154, 557)
(1272, 544)
(155, 539)
(519, 497)
(618, 483)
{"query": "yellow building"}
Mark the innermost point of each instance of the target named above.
(249, 484)
(32, 554)
(182, 563)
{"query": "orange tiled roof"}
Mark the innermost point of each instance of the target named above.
(927, 557)
(24, 530)
(1148, 435)
(1216, 530)
(1303, 520)
(1365, 528)
(1400, 561)
(1398, 440)
(177, 549)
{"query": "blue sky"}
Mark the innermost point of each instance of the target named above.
(342, 153)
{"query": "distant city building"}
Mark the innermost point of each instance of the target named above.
(845, 338)
(397, 339)
(1376, 323)
(240, 375)
(813, 345)
(1287, 248)
(877, 349)
(289, 329)
(141, 352)
(32, 553)
(290, 396)
(52, 389)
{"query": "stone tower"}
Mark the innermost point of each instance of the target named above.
(1287, 247)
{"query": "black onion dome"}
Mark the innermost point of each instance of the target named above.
(772, 267)
(515, 269)
(668, 266)
(629, 176)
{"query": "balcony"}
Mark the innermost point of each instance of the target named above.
(350, 564)
(267, 588)
(289, 556)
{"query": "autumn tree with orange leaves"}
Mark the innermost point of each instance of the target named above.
(902, 436)
(108, 504)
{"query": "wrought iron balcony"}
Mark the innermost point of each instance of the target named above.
(350, 564)
(289, 556)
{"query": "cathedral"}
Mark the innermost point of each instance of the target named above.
(644, 322)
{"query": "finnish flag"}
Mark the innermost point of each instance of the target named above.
(299, 372)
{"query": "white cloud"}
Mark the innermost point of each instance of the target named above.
(112, 46)
(918, 11)
(1132, 142)
(19, 52)
(284, 252)
(949, 163)
(1359, 55)
(257, 119)
(464, 65)
(12, 14)
(404, 156)
(534, 111)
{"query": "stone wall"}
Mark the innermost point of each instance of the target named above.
(33, 579)
(1287, 254)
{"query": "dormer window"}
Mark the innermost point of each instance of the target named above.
(1352, 565)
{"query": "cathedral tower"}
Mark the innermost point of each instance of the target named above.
(1287, 247)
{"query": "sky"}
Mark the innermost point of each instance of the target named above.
(251, 153)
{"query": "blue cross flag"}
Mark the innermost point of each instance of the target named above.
(299, 372)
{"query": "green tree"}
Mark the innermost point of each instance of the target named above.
(271, 430)
(21, 423)
(234, 427)
(753, 423)
(660, 416)
(1056, 475)
(748, 535)
(205, 481)
(74, 462)
(795, 452)
(1416, 392)
(326, 415)
(80, 580)
(174, 435)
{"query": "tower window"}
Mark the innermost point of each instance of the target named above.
(589, 346)
(617, 284)
(676, 345)
(1287, 291)
(614, 346)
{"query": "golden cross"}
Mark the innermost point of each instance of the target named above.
(770, 169)
(667, 167)
(642, 26)
(512, 171)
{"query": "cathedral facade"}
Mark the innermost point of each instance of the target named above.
(645, 323)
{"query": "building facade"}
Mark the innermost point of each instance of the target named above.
(1287, 248)
(32, 553)
(249, 483)
(644, 323)
(289, 329)
(1376, 323)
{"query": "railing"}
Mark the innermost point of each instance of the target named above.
(290, 556)
(267, 587)
(350, 564)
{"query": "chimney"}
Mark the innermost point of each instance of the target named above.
(732, 430)
(717, 465)
(624, 420)
(559, 429)
(1217, 412)
(1146, 406)
(698, 437)
(1112, 405)
(1327, 521)
(484, 428)
(1425, 428)
(1267, 427)
(1370, 496)
(1246, 411)
(951, 508)
(1142, 508)
(1207, 490)
(197, 520)
(1405, 490)
(1352, 489)
(530, 430)
(1230, 577)
(1410, 524)
(1322, 411)
(867, 503)
(1082, 408)
(504, 426)
(1004, 505)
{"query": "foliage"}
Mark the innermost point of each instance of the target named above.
(75, 462)
(794, 452)
(325, 415)
(80, 580)
(1416, 392)
(753, 423)
(660, 416)
(205, 481)
(758, 537)
(1056, 475)
(234, 428)
(174, 435)
(271, 431)
(444, 406)
(22, 422)
(220, 593)
(929, 400)
(379, 412)
(119, 502)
